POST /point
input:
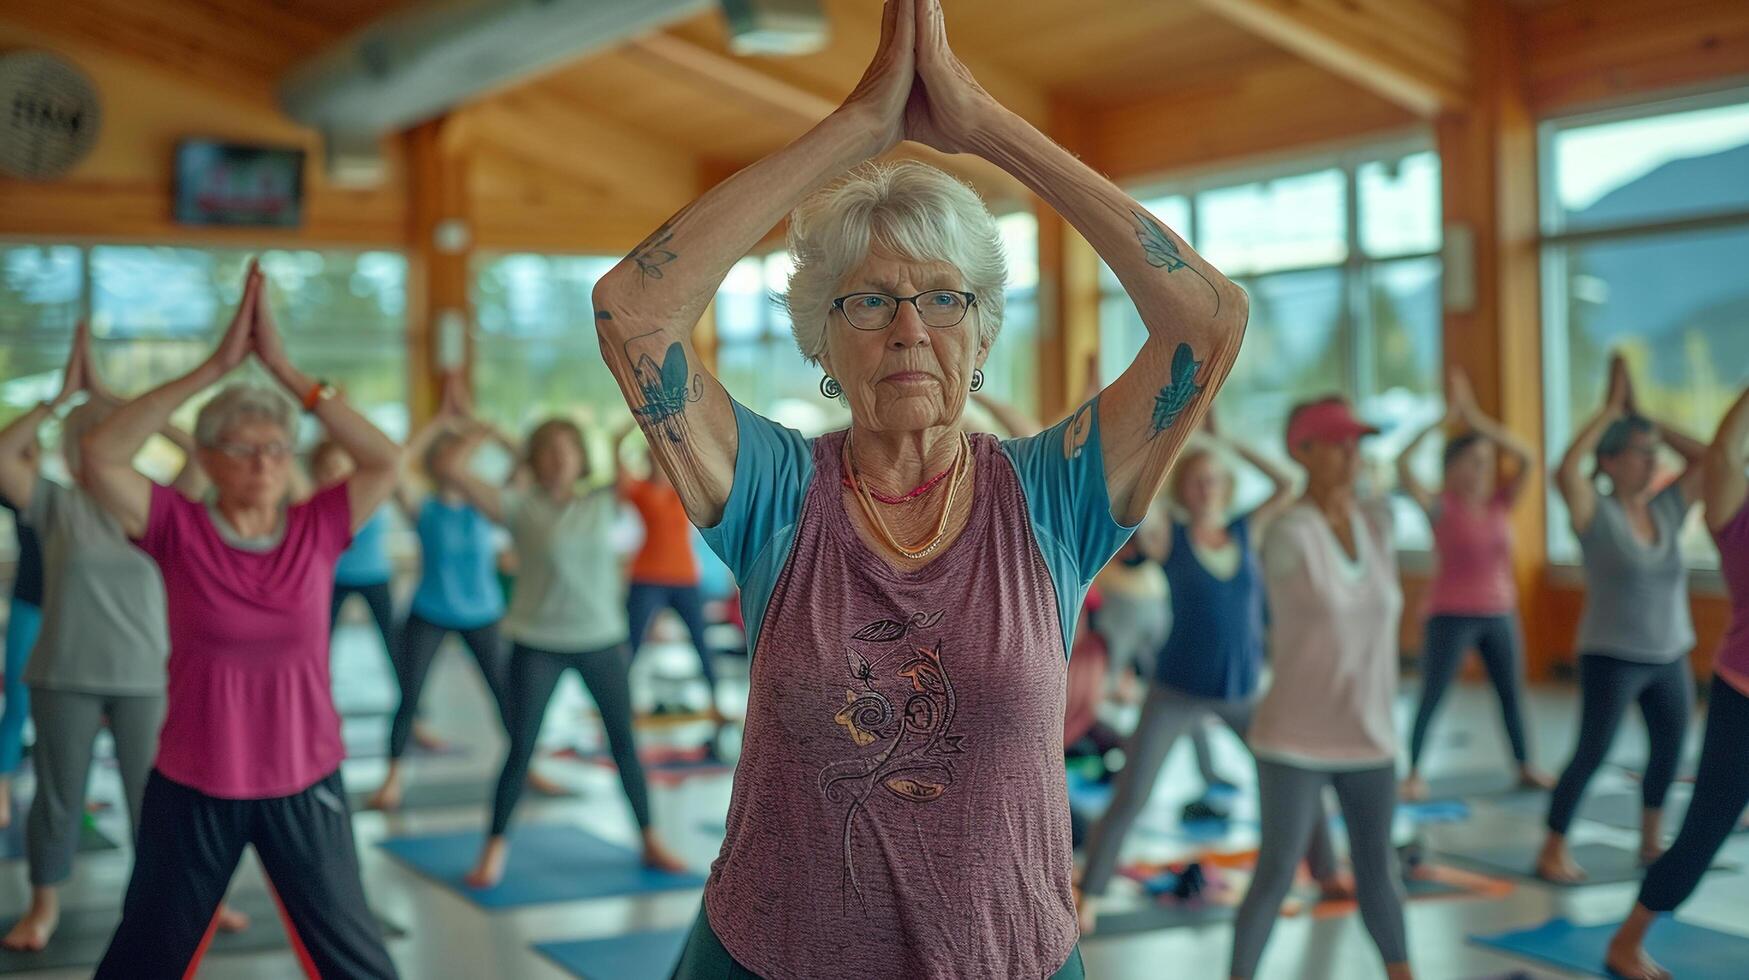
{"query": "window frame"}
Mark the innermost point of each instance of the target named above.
(1553, 240)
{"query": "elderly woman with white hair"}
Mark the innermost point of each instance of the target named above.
(910, 590)
(100, 654)
(250, 751)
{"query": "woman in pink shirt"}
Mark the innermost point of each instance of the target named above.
(1473, 601)
(1721, 786)
(250, 751)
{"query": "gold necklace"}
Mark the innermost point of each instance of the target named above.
(960, 464)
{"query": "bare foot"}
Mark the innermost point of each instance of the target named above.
(33, 931)
(546, 785)
(658, 857)
(1414, 788)
(1629, 960)
(1556, 863)
(231, 919)
(427, 739)
(489, 871)
(1339, 887)
(387, 796)
(1530, 777)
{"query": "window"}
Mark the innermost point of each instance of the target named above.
(1645, 239)
(1011, 370)
(1341, 262)
(536, 354)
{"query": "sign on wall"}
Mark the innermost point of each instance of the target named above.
(48, 115)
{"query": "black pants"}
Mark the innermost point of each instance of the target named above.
(1607, 686)
(645, 600)
(534, 673)
(1721, 791)
(189, 845)
(420, 641)
(1496, 638)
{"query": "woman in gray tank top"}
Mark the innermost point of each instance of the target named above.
(1635, 632)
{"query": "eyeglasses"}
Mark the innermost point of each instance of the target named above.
(242, 451)
(939, 308)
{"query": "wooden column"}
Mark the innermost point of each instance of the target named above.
(441, 237)
(1068, 286)
(1489, 166)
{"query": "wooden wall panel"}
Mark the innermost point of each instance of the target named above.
(123, 189)
(1595, 52)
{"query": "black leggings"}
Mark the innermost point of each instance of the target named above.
(1607, 686)
(645, 600)
(1721, 791)
(1496, 638)
(188, 846)
(534, 673)
(420, 641)
(382, 610)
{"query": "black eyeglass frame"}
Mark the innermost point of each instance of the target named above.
(971, 300)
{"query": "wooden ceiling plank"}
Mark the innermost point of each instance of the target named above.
(716, 73)
(1337, 39)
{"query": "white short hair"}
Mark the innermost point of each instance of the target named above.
(909, 210)
(240, 403)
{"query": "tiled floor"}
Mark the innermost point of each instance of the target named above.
(448, 937)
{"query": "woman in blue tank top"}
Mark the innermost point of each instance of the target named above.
(1214, 653)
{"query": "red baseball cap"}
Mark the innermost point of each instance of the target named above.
(1326, 420)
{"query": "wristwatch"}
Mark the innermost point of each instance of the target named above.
(319, 392)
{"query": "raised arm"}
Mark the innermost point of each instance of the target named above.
(1571, 476)
(18, 441)
(1463, 400)
(1726, 485)
(1281, 480)
(647, 306)
(191, 479)
(1407, 481)
(107, 451)
(1195, 316)
(454, 465)
(376, 457)
(1694, 455)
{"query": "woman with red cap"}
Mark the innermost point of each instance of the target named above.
(1331, 576)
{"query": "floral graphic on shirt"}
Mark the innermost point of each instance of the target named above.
(916, 743)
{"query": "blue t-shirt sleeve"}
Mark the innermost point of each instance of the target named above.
(1070, 507)
(773, 465)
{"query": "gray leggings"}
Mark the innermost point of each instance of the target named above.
(1165, 715)
(1292, 806)
(1449, 638)
(66, 726)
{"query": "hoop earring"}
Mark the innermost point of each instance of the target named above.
(977, 379)
(830, 388)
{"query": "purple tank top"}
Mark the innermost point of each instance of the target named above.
(899, 809)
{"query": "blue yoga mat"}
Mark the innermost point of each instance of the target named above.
(638, 956)
(548, 863)
(1689, 951)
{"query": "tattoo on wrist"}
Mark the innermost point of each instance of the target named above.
(1162, 252)
(1176, 396)
(653, 252)
(664, 390)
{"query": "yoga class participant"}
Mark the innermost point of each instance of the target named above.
(250, 751)
(1473, 600)
(1212, 662)
(1721, 785)
(100, 655)
(1330, 568)
(365, 569)
(23, 621)
(900, 805)
(458, 589)
(1635, 632)
(566, 613)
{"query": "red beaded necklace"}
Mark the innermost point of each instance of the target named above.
(927, 486)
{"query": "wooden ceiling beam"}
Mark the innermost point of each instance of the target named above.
(714, 72)
(1386, 46)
